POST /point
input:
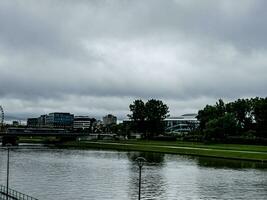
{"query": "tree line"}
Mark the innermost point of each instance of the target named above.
(243, 118)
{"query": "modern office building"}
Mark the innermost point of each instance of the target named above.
(37, 122)
(82, 123)
(59, 120)
(42, 121)
(182, 124)
(109, 120)
(32, 122)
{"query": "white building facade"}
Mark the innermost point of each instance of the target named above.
(81, 122)
(181, 124)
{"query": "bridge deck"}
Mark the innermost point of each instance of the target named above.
(13, 194)
(55, 134)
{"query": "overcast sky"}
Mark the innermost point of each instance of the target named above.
(96, 57)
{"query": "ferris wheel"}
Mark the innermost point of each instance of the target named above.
(2, 116)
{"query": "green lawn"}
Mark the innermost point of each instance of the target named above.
(239, 147)
(231, 151)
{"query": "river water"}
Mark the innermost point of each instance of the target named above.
(52, 174)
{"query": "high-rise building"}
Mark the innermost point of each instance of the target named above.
(109, 120)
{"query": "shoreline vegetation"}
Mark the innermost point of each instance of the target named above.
(228, 151)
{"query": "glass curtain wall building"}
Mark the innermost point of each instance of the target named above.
(60, 120)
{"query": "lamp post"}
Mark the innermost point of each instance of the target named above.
(140, 162)
(7, 170)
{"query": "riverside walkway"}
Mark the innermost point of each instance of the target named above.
(13, 194)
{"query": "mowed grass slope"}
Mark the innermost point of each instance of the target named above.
(232, 151)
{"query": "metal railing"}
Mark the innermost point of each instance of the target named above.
(13, 194)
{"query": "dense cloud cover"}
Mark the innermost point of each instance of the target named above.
(95, 57)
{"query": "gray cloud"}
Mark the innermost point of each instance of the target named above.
(96, 57)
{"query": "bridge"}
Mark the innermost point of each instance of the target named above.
(13, 194)
(12, 137)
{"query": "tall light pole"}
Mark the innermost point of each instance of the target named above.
(140, 162)
(7, 170)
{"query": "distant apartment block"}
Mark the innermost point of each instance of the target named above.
(59, 120)
(109, 120)
(81, 123)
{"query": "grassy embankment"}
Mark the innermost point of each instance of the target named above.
(230, 151)
(37, 139)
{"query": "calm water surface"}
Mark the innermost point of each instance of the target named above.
(50, 174)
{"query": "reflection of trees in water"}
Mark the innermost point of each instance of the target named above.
(227, 163)
(230, 179)
(151, 158)
(154, 183)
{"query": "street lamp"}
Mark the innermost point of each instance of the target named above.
(7, 170)
(140, 162)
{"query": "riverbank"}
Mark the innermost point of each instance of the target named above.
(228, 151)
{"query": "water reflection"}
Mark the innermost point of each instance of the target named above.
(151, 157)
(227, 163)
(101, 175)
(154, 184)
(231, 184)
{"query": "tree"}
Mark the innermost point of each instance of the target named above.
(156, 112)
(220, 108)
(138, 110)
(138, 114)
(242, 118)
(242, 111)
(215, 121)
(221, 127)
(148, 117)
(260, 114)
(205, 115)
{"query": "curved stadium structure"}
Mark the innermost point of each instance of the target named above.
(181, 124)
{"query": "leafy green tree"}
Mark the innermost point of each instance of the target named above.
(260, 114)
(148, 117)
(138, 114)
(242, 110)
(220, 108)
(156, 112)
(205, 115)
(215, 121)
(219, 128)
(242, 118)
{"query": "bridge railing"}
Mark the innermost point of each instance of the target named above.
(13, 194)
